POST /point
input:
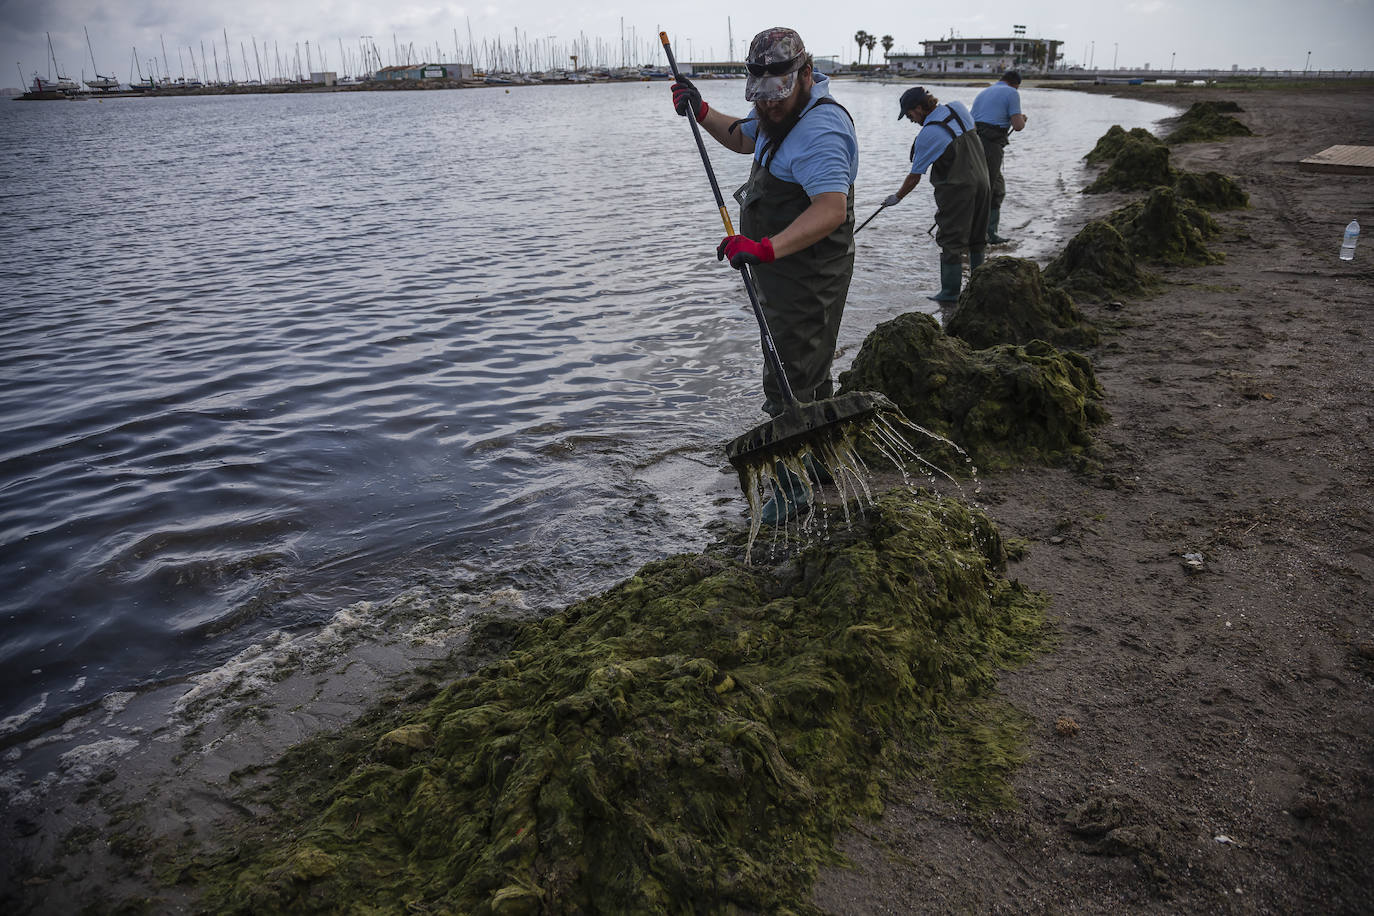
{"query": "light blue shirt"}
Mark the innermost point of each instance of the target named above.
(996, 104)
(821, 153)
(933, 139)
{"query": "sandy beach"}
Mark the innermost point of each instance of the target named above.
(1202, 734)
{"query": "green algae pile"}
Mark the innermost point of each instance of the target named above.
(1166, 229)
(1211, 190)
(1007, 302)
(1005, 405)
(1138, 165)
(1207, 121)
(689, 741)
(1097, 263)
(1111, 143)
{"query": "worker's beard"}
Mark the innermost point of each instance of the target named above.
(777, 130)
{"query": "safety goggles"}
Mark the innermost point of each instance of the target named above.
(778, 68)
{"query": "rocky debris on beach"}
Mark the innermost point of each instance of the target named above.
(1005, 405)
(1165, 228)
(1207, 121)
(1008, 301)
(699, 733)
(1097, 263)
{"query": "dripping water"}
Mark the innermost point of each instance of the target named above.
(795, 477)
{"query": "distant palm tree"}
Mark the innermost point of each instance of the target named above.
(870, 43)
(888, 42)
(861, 38)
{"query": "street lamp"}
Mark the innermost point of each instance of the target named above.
(1113, 55)
(1309, 62)
(1172, 54)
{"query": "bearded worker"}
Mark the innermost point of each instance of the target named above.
(796, 212)
(948, 145)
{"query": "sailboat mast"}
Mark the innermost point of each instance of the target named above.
(228, 57)
(88, 48)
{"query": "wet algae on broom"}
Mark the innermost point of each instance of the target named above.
(689, 741)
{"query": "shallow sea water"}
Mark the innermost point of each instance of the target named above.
(268, 356)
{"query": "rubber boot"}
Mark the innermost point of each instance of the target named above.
(951, 278)
(976, 257)
(790, 497)
(993, 237)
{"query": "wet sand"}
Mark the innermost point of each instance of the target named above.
(1203, 731)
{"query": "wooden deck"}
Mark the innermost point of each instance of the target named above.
(1341, 160)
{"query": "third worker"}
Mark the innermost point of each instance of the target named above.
(948, 145)
(996, 113)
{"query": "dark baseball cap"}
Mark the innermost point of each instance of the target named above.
(911, 99)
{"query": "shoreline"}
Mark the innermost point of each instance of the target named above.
(1202, 733)
(1025, 504)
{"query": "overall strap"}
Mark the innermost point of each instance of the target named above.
(952, 116)
(770, 150)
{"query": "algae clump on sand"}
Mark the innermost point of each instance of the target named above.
(1111, 143)
(1212, 190)
(1166, 228)
(1207, 120)
(1005, 405)
(1097, 262)
(1007, 301)
(689, 741)
(1137, 166)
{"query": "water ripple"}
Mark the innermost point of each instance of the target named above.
(284, 352)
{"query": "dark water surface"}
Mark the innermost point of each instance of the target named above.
(264, 356)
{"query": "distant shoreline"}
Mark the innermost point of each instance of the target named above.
(1085, 80)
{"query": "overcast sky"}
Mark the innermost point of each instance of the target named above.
(1128, 33)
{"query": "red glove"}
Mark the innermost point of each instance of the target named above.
(742, 250)
(686, 97)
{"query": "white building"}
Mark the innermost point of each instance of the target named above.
(980, 55)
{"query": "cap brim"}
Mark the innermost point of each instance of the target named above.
(769, 88)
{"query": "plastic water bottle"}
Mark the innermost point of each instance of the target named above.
(1352, 235)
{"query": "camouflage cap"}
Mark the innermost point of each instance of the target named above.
(775, 56)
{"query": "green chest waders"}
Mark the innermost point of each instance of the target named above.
(803, 294)
(959, 180)
(995, 140)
